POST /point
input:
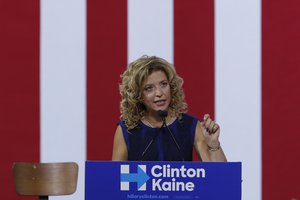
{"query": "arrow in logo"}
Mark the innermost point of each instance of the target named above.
(140, 177)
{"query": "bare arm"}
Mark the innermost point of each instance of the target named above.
(207, 141)
(120, 152)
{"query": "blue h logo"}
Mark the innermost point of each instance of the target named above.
(141, 177)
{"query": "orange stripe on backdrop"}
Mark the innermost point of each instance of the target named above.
(280, 99)
(19, 88)
(194, 53)
(106, 59)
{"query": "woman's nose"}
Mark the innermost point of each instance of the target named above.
(158, 92)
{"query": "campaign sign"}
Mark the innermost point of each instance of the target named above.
(162, 180)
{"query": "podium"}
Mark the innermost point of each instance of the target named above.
(162, 180)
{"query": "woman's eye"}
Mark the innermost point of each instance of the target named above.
(164, 84)
(148, 89)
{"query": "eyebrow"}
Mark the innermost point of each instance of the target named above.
(159, 82)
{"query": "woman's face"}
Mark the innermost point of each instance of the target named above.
(156, 92)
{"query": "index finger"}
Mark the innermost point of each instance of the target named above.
(206, 116)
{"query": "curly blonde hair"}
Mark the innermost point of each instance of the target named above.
(131, 106)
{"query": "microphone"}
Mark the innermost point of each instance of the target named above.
(163, 115)
(148, 146)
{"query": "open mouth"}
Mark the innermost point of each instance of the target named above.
(160, 102)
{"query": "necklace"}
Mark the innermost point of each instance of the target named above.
(150, 124)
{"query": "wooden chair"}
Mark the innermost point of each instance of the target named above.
(45, 179)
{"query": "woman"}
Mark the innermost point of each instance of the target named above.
(149, 85)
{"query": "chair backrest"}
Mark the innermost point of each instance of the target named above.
(45, 179)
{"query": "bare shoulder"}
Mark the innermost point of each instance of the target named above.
(119, 133)
(119, 147)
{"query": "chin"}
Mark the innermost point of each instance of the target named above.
(162, 108)
(157, 108)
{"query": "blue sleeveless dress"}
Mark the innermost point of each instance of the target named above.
(141, 147)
